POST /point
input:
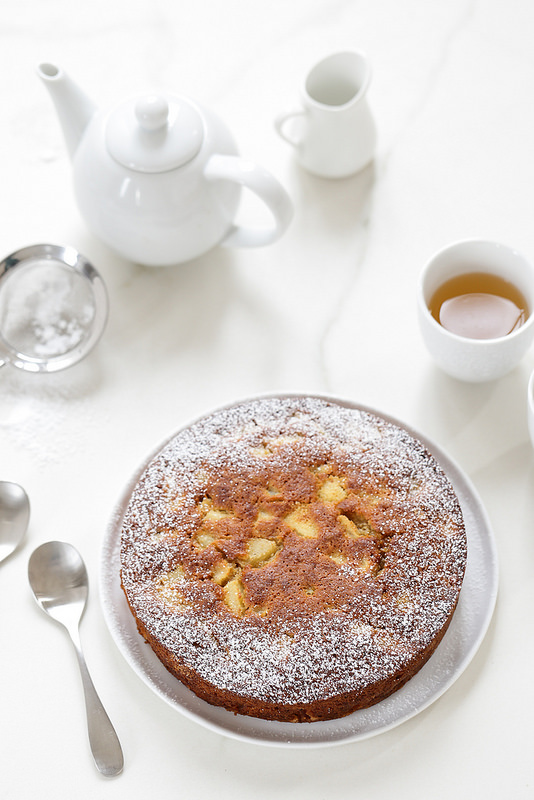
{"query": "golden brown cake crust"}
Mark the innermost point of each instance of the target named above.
(292, 558)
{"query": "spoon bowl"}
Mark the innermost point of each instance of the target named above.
(14, 517)
(58, 579)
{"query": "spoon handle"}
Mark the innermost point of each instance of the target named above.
(105, 745)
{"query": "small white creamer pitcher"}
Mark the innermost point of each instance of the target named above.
(333, 132)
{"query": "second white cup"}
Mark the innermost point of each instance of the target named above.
(530, 408)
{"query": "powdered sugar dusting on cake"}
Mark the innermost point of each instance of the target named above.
(367, 558)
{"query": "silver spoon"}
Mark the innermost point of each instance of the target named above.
(14, 517)
(58, 579)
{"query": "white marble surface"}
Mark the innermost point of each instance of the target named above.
(330, 308)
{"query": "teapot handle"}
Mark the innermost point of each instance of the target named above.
(265, 186)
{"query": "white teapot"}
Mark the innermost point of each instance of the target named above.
(158, 178)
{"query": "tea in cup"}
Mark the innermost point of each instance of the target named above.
(333, 131)
(475, 307)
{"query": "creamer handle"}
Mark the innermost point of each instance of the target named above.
(280, 125)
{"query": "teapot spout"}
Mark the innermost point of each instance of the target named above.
(73, 107)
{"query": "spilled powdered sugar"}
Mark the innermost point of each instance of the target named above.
(297, 656)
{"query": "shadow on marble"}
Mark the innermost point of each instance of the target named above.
(497, 409)
(201, 309)
(513, 473)
(176, 297)
(338, 204)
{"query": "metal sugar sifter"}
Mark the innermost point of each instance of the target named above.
(53, 308)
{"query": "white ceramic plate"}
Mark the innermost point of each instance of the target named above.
(459, 645)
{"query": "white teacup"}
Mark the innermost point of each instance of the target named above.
(530, 408)
(467, 359)
(333, 131)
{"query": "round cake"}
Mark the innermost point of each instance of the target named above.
(293, 558)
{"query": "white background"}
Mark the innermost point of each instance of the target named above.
(330, 308)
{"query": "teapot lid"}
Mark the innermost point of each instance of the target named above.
(154, 133)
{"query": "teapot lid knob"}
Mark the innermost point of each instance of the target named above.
(152, 112)
(154, 133)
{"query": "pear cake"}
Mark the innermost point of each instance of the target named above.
(293, 558)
